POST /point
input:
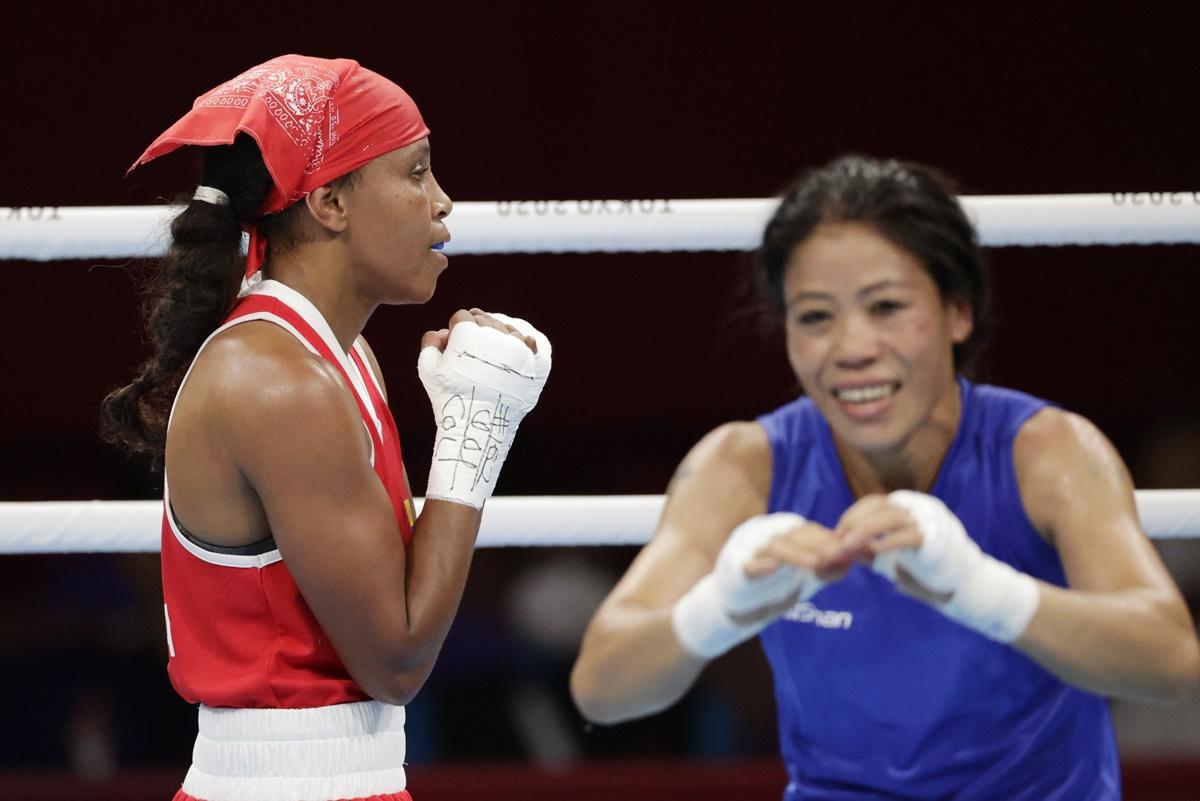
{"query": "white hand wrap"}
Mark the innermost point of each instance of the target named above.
(987, 595)
(702, 618)
(481, 387)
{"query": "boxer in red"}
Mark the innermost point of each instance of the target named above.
(305, 603)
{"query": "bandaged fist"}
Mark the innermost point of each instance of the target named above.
(945, 556)
(756, 578)
(483, 374)
(912, 530)
(752, 575)
(915, 536)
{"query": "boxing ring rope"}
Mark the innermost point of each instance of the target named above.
(563, 226)
(135, 526)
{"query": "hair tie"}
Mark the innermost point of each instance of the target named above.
(210, 194)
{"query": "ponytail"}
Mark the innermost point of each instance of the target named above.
(192, 291)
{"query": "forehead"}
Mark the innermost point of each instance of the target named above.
(402, 157)
(845, 256)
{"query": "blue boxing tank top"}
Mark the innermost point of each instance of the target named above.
(880, 695)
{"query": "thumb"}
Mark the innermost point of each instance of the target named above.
(435, 339)
(759, 566)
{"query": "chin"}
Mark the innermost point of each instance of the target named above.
(412, 293)
(412, 298)
(430, 288)
(869, 438)
(425, 294)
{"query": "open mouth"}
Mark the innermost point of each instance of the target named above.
(437, 246)
(867, 394)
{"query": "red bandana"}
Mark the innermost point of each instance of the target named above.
(314, 119)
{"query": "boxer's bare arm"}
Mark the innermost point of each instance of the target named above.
(631, 664)
(1122, 628)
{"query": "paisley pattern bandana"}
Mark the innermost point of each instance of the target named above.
(314, 120)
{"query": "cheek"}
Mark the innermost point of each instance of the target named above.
(924, 334)
(926, 343)
(804, 353)
(916, 331)
(418, 220)
(397, 217)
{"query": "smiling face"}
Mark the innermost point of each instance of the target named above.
(396, 212)
(869, 336)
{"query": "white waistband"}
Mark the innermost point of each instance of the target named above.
(342, 751)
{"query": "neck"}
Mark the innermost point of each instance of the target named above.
(915, 462)
(327, 284)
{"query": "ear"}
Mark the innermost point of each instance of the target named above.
(326, 206)
(961, 319)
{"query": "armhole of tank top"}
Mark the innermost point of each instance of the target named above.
(258, 548)
(221, 558)
(1036, 541)
(771, 427)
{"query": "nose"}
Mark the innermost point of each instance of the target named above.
(857, 342)
(442, 204)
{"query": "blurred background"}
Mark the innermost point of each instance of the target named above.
(581, 101)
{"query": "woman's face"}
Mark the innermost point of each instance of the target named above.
(869, 336)
(396, 213)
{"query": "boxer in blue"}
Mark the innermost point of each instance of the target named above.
(947, 577)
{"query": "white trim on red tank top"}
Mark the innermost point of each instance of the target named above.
(311, 315)
(362, 354)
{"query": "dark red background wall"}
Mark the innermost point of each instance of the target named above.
(625, 100)
(598, 100)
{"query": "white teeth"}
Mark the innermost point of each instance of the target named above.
(865, 394)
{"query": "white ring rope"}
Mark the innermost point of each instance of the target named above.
(135, 526)
(559, 226)
(577, 226)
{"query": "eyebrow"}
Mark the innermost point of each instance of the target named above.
(886, 283)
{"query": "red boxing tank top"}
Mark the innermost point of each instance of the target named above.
(239, 633)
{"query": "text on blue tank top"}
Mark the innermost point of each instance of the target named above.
(880, 695)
